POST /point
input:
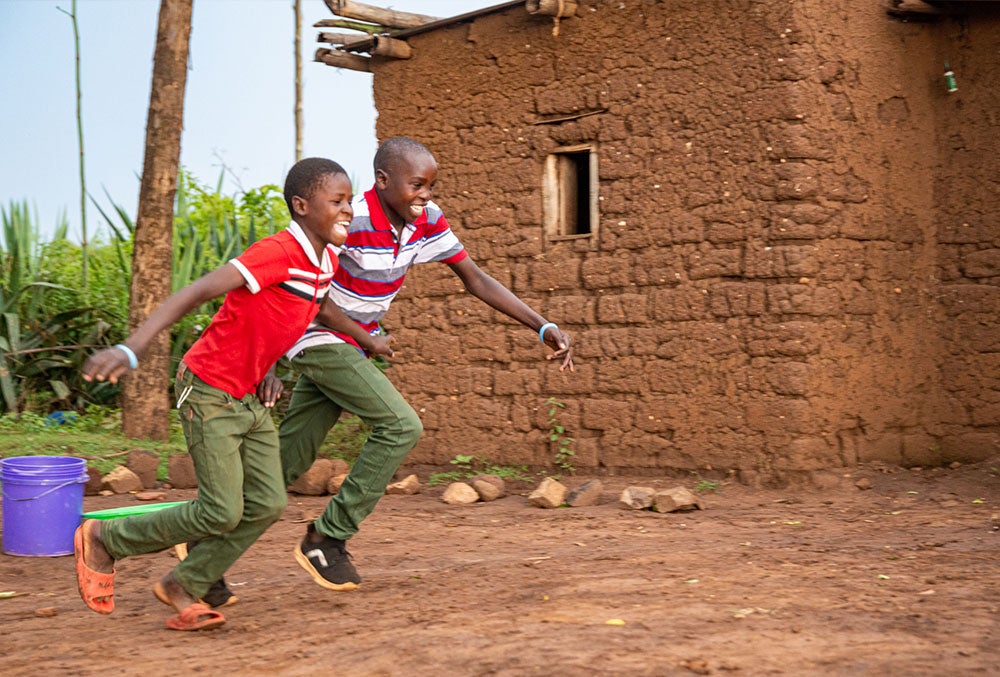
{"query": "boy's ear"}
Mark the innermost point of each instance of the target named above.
(381, 178)
(299, 206)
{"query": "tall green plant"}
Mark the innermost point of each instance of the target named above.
(44, 330)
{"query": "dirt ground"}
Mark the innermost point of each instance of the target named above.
(900, 579)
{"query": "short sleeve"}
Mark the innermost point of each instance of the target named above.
(440, 243)
(263, 264)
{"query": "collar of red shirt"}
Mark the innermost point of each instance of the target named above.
(300, 237)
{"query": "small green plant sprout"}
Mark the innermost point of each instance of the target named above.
(706, 485)
(557, 435)
(467, 465)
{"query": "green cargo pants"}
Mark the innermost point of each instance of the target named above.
(333, 378)
(234, 446)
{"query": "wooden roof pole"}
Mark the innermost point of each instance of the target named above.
(386, 17)
(338, 59)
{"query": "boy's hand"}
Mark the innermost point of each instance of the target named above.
(380, 345)
(559, 341)
(269, 389)
(106, 365)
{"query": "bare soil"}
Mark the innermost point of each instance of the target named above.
(900, 579)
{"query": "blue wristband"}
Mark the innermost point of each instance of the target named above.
(541, 330)
(133, 361)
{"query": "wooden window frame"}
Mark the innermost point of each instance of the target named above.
(555, 195)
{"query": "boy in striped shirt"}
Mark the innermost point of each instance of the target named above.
(395, 226)
(273, 291)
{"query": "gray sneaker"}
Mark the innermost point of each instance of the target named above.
(328, 562)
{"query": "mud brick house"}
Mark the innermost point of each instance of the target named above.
(771, 228)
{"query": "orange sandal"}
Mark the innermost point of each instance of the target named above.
(96, 588)
(197, 616)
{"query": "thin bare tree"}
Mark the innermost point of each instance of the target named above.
(79, 135)
(297, 8)
(145, 395)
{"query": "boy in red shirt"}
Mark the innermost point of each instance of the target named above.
(273, 291)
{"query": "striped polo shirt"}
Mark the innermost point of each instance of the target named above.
(285, 283)
(374, 262)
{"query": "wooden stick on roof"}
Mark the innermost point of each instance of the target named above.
(386, 17)
(337, 38)
(370, 29)
(354, 62)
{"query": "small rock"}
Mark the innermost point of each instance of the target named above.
(313, 481)
(492, 479)
(145, 464)
(588, 493)
(406, 487)
(337, 481)
(180, 467)
(954, 465)
(863, 483)
(487, 490)
(47, 612)
(121, 480)
(459, 493)
(675, 499)
(637, 498)
(105, 492)
(339, 466)
(94, 482)
(549, 493)
(151, 495)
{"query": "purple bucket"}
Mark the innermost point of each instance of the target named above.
(42, 504)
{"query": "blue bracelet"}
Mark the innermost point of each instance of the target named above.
(133, 361)
(541, 330)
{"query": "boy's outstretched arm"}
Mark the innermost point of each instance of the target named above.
(111, 363)
(497, 296)
(330, 315)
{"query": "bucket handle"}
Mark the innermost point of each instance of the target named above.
(47, 491)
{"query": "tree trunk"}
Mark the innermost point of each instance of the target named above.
(297, 8)
(145, 397)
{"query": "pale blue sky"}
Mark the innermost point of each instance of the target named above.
(238, 106)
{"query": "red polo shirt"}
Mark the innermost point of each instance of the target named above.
(257, 323)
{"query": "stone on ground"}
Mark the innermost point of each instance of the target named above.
(180, 468)
(121, 480)
(407, 486)
(549, 493)
(333, 486)
(144, 464)
(637, 498)
(674, 499)
(588, 493)
(313, 481)
(487, 490)
(459, 493)
(492, 479)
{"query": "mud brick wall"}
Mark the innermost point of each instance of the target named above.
(799, 252)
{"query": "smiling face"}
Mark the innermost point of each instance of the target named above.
(406, 186)
(326, 214)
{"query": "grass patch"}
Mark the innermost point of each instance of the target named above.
(96, 436)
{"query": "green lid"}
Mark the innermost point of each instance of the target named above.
(129, 510)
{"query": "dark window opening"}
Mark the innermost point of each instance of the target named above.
(575, 179)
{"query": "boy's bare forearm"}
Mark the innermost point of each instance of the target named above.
(330, 315)
(110, 363)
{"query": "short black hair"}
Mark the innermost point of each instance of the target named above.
(305, 175)
(393, 150)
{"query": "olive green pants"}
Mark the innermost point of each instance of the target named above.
(234, 446)
(333, 378)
